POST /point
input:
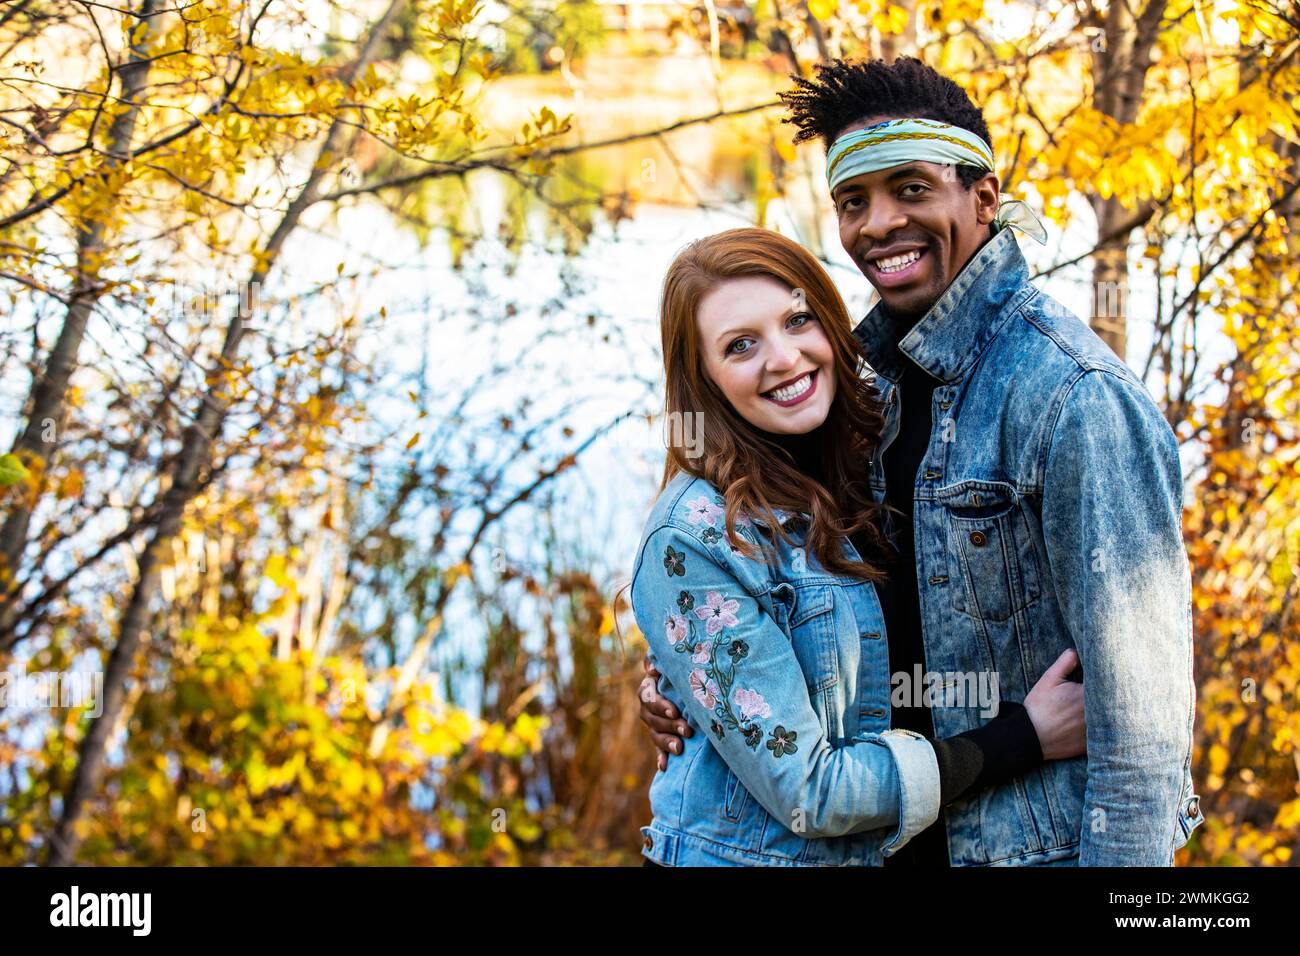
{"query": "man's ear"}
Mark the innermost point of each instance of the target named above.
(988, 196)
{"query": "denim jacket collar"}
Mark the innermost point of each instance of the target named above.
(786, 518)
(950, 337)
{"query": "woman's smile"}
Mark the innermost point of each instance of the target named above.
(795, 392)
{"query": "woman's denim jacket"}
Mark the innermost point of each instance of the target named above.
(782, 669)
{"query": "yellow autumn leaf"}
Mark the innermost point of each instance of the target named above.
(893, 19)
(12, 470)
(1218, 759)
(455, 573)
(276, 570)
(352, 778)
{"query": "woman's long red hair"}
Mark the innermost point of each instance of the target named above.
(753, 474)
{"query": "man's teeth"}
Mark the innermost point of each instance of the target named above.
(793, 391)
(894, 263)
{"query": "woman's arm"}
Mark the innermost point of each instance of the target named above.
(989, 755)
(736, 674)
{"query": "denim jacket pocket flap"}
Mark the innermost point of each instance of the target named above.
(809, 602)
(990, 550)
(977, 499)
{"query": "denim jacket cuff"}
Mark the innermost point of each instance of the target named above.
(918, 785)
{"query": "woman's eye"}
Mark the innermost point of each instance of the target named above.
(732, 350)
(803, 319)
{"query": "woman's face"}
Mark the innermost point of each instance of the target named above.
(767, 353)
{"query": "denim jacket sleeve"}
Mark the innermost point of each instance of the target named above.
(1112, 526)
(735, 672)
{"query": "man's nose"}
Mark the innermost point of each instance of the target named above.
(882, 218)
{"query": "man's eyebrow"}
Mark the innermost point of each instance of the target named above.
(911, 169)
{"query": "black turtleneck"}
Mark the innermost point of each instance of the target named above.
(1001, 749)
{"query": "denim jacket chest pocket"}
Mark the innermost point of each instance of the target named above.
(994, 564)
(804, 614)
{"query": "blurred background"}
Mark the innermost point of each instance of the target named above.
(330, 388)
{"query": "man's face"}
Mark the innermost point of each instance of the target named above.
(911, 228)
(767, 353)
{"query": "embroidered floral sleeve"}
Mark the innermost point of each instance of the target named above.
(729, 666)
(716, 681)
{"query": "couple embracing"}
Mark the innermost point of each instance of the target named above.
(919, 595)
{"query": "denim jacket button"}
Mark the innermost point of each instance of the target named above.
(649, 842)
(1193, 806)
(978, 539)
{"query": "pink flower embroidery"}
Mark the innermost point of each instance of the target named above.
(751, 704)
(704, 689)
(703, 511)
(676, 629)
(718, 612)
(703, 652)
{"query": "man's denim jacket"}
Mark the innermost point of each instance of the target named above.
(782, 670)
(1048, 515)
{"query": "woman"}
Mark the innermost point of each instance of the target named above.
(754, 587)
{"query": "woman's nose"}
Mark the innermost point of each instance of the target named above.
(783, 357)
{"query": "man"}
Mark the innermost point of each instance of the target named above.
(1040, 487)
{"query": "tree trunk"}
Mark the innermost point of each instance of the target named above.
(194, 454)
(1121, 56)
(39, 440)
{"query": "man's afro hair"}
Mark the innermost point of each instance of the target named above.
(845, 93)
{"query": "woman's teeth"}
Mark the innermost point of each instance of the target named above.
(792, 391)
(896, 263)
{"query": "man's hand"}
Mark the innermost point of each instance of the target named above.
(1055, 705)
(666, 725)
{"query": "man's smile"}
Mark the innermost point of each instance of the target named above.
(889, 269)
